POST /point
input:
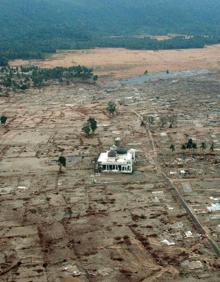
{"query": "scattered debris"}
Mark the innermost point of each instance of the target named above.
(166, 242)
(192, 265)
(188, 234)
(73, 269)
(214, 207)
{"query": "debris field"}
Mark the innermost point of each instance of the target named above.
(79, 225)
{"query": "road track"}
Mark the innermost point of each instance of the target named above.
(177, 194)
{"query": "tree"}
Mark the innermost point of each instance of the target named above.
(150, 120)
(194, 146)
(93, 124)
(37, 81)
(24, 86)
(172, 147)
(86, 128)
(142, 123)
(61, 163)
(3, 119)
(172, 120)
(183, 147)
(89, 126)
(212, 147)
(163, 121)
(203, 146)
(95, 77)
(3, 62)
(189, 144)
(111, 107)
(7, 82)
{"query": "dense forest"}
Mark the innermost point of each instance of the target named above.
(32, 29)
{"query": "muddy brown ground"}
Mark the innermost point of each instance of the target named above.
(125, 63)
(82, 226)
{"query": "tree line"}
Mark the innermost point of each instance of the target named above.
(24, 77)
(39, 52)
(191, 145)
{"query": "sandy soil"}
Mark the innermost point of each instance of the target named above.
(125, 63)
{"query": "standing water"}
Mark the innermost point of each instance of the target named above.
(163, 75)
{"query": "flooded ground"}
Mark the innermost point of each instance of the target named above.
(163, 75)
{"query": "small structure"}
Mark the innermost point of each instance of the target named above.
(117, 159)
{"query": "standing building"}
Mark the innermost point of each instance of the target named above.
(117, 159)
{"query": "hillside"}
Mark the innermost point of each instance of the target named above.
(32, 28)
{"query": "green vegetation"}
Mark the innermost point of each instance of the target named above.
(61, 163)
(203, 146)
(212, 147)
(3, 120)
(146, 43)
(172, 147)
(90, 126)
(86, 128)
(22, 78)
(111, 107)
(168, 121)
(32, 29)
(191, 145)
(93, 124)
(3, 62)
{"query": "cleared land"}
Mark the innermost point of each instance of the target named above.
(81, 226)
(125, 63)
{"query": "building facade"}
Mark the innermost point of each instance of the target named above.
(117, 159)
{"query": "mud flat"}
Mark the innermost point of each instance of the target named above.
(120, 63)
(83, 226)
